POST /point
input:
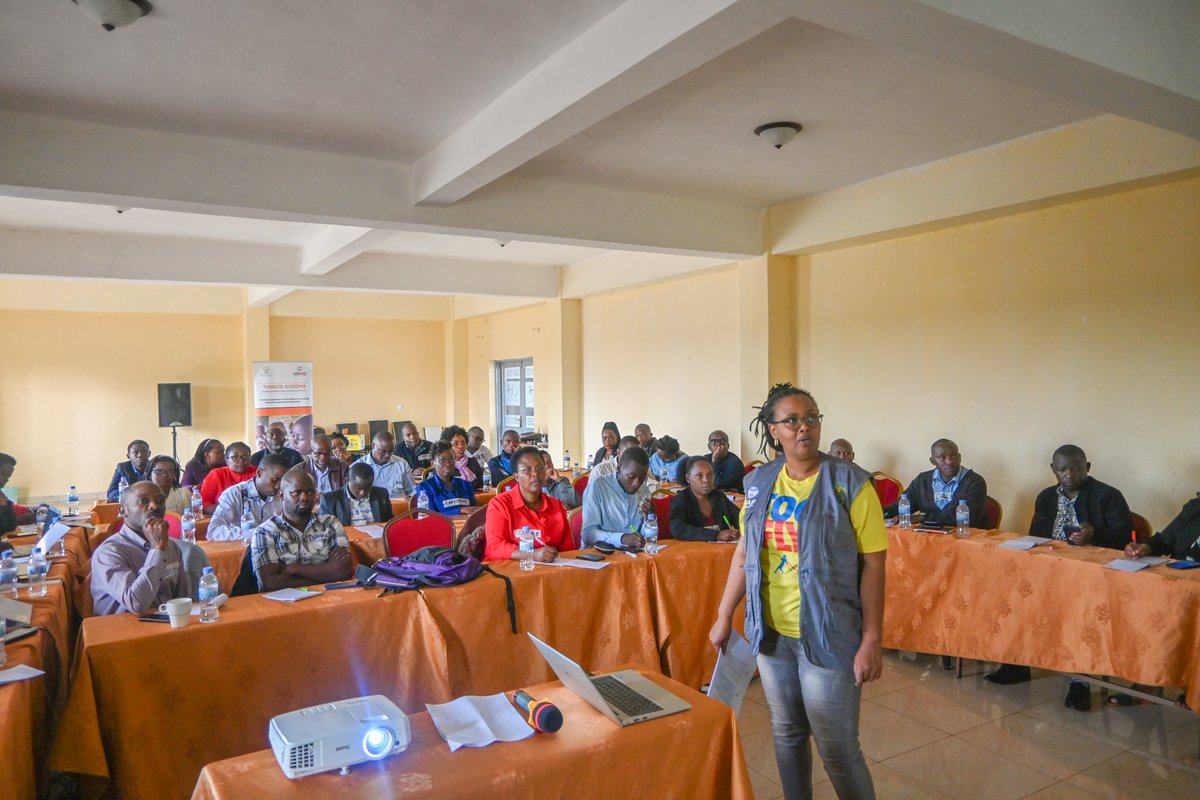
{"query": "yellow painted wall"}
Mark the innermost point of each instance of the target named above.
(365, 369)
(667, 355)
(77, 387)
(1078, 323)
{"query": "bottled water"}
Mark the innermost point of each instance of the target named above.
(423, 501)
(590, 457)
(962, 519)
(566, 460)
(487, 478)
(40, 515)
(3, 630)
(197, 504)
(38, 567)
(72, 502)
(121, 487)
(8, 575)
(208, 586)
(525, 536)
(248, 524)
(575, 470)
(187, 527)
(905, 512)
(650, 534)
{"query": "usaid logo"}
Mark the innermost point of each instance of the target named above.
(299, 372)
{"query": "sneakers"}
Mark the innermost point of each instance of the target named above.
(1079, 696)
(1008, 674)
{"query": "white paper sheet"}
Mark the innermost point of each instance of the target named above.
(217, 601)
(23, 672)
(1152, 561)
(291, 595)
(1024, 543)
(735, 668)
(374, 531)
(572, 562)
(477, 721)
(1126, 565)
(56, 532)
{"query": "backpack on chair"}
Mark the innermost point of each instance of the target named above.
(433, 567)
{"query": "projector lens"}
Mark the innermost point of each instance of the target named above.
(378, 742)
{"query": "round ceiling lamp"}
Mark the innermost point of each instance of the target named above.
(777, 134)
(113, 14)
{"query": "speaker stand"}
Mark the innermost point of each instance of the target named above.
(175, 441)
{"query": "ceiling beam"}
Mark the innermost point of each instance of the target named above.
(640, 47)
(262, 296)
(334, 245)
(34, 253)
(60, 159)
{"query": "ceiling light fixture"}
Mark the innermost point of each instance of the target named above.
(777, 134)
(113, 14)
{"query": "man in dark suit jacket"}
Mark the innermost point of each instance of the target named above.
(1080, 509)
(275, 438)
(937, 493)
(132, 471)
(360, 501)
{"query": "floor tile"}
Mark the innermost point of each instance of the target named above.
(753, 718)
(760, 756)
(1132, 777)
(963, 771)
(1041, 745)
(951, 708)
(884, 733)
(1062, 791)
(1180, 746)
(765, 788)
(1124, 726)
(754, 692)
(889, 785)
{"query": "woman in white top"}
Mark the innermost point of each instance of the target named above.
(164, 472)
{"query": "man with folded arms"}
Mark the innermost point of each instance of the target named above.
(415, 451)
(359, 502)
(262, 494)
(938, 492)
(728, 470)
(139, 566)
(502, 465)
(328, 473)
(615, 506)
(391, 472)
(274, 440)
(1079, 510)
(297, 547)
(646, 439)
(237, 469)
(476, 449)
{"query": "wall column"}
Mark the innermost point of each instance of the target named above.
(563, 398)
(256, 346)
(767, 337)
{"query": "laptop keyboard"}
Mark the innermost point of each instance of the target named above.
(621, 697)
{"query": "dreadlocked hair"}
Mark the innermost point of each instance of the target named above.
(760, 425)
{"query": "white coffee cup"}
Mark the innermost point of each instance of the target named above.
(179, 610)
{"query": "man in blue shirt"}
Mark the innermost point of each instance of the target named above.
(938, 492)
(447, 493)
(391, 472)
(667, 458)
(502, 466)
(615, 506)
(728, 470)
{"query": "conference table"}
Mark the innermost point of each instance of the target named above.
(694, 754)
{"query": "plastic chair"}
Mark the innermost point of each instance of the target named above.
(662, 510)
(994, 512)
(575, 520)
(408, 532)
(507, 485)
(888, 488)
(1141, 527)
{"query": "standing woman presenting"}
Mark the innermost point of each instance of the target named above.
(813, 615)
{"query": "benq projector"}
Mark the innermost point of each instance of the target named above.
(338, 735)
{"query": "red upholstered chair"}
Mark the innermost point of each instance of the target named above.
(662, 510)
(104, 513)
(580, 483)
(888, 488)
(507, 485)
(1142, 527)
(753, 465)
(994, 513)
(419, 473)
(575, 520)
(471, 539)
(174, 524)
(409, 532)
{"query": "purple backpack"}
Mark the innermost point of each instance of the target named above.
(434, 567)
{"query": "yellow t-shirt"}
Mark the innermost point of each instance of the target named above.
(778, 556)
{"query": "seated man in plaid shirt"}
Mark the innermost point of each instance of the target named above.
(299, 548)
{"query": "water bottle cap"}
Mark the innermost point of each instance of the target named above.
(904, 496)
(206, 571)
(6, 554)
(37, 550)
(653, 518)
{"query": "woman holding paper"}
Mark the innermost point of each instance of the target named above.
(510, 511)
(815, 623)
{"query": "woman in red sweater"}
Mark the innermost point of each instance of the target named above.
(510, 511)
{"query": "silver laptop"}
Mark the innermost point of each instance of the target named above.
(625, 697)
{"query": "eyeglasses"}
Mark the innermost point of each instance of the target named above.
(794, 423)
(718, 441)
(164, 471)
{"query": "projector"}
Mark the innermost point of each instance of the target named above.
(338, 735)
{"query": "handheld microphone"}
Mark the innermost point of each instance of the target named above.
(541, 715)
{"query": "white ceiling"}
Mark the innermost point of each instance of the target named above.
(473, 248)
(867, 110)
(382, 78)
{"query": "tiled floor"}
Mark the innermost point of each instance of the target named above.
(928, 734)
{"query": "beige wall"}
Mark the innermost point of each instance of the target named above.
(1077, 323)
(78, 386)
(367, 369)
(666, 354)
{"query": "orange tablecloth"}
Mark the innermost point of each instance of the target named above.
(695, 754)
(1054, 607)
(275, 657)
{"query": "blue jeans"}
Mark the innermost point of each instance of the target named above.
(809, 701)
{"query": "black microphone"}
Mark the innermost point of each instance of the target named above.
(541, 715)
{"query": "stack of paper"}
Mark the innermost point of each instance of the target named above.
(475, 721)
(1024, 543)
(292, 595)
(735, 668)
